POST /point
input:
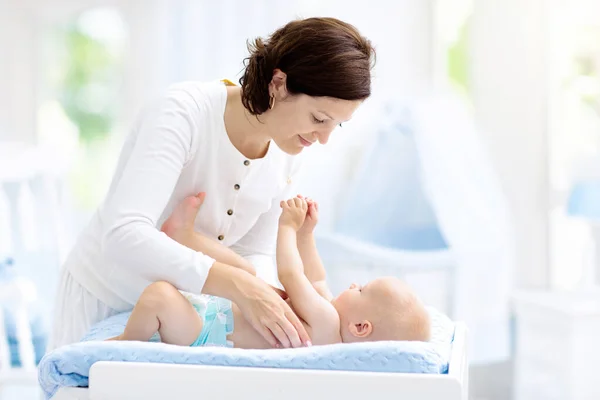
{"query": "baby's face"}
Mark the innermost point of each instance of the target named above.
(359, 301)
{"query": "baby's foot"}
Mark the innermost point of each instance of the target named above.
(181, 220)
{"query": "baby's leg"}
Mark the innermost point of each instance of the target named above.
(162, 308)
(180, 227)
(180, 224)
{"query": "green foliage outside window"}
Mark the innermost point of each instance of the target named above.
(89, 83)
(458, 59)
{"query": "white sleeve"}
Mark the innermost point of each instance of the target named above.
(140, 194)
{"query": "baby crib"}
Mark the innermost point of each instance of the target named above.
(349, 260)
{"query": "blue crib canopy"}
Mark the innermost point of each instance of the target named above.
(386, 203)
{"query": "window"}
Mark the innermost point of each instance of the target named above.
(79, 98)
(451, 45)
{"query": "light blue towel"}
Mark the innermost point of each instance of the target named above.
(70, 365)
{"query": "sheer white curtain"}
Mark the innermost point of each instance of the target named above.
(473, 214)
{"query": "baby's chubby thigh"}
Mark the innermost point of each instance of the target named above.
(179, 321)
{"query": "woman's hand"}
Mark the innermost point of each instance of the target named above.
(280, 292)
(271, 316)
(260, 304)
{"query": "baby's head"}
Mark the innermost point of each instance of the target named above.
(384, 309)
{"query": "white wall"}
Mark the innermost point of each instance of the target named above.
(17, 72)
(148, 53)
(509, 86)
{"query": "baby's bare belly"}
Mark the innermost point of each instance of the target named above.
(244, 336)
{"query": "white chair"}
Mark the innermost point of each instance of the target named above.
(18, 296)
(30, 232)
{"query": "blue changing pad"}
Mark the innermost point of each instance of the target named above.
(70, 365)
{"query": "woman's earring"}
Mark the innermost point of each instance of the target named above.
(271, 102)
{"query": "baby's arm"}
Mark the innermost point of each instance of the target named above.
(313, 266)
(307, 302)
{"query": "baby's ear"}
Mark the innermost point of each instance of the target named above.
(361, 329)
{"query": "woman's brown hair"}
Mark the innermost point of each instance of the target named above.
(320, 56)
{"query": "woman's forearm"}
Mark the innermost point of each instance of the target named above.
(226, 281)
(219, 252)
(149, 254)
(233, 283)
(260, 305)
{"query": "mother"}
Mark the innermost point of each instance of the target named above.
(240, 146)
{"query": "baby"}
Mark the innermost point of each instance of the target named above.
(384, 309)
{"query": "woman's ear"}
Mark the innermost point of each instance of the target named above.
(361, 330)
(278, 84)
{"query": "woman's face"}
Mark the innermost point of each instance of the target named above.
(298, 121)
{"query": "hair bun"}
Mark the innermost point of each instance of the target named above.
(255, 91)
(321, 57)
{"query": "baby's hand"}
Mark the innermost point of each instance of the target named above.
(294, 213)
(312, 216)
